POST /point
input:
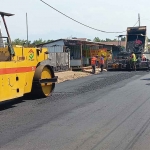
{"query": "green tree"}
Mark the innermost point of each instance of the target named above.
(123, 39)
(18, 42)
(49, 40)
(88, 39)
(96, 39)
(29, 43)
(108, 40)
(40, 41)
(37, 42)
(102, 40)
(114, 40)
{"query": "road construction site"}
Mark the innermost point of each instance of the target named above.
(108, 110)
(46, 106)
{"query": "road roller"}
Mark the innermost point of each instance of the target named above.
(24, 70)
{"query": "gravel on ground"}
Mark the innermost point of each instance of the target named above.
(71, 75)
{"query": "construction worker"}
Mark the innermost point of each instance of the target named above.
(143, 57)
(97, 61)
(133, 61)
(101, 63)
(147, 62)
(93, 64)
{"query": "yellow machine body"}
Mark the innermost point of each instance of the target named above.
(17, 74)
(24, 70)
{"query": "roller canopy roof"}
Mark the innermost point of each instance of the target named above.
(5, 14)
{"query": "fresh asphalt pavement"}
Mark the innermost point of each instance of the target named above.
(108, 111)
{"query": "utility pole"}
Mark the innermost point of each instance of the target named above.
(139, 19)
(118, 40)
(27, 27)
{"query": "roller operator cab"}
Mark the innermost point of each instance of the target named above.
(24, 70)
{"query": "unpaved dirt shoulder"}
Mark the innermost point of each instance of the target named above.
(71, 75)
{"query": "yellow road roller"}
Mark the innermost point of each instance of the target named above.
(24, 70)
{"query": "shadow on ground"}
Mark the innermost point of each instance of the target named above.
(10, 104)
(13, 103)
(146, 79)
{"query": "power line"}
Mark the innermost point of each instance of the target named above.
(133, 26)
(136, 23)
(145, 19)
(78, 21)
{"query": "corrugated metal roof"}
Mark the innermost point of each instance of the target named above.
(114, 43)
(5, 14)
(80, 41)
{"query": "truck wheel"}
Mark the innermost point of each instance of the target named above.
(42, 89)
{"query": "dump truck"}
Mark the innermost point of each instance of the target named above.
(24, 70)
(137, 42)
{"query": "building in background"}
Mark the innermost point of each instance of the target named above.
(80, 50)
(116, 43)
(116, 46)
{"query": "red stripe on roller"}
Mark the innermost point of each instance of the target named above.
(16, 70)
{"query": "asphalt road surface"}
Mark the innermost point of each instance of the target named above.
(109, 111)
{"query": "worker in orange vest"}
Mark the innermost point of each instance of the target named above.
(143, 57)
(93, 64)
(97, 61)
(147, 63)
(101, 61)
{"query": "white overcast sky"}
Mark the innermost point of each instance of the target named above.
(46, 23)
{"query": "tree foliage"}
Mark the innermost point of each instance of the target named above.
(32, 44)
(97, 39)
(88, 39)
(40, 41)
(18, 42)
